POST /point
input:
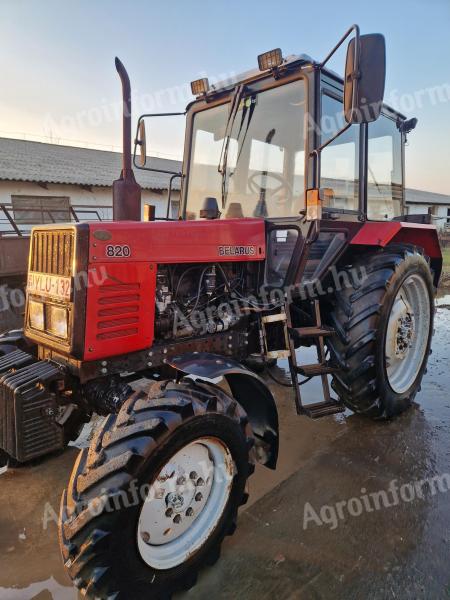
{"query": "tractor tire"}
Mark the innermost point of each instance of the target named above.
(4, 459)
(118, 521)
(384, 325)
(11, 316)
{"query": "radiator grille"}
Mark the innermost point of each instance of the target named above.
(118, 307)
(52, 252)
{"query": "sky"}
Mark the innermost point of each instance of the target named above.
(58, 81)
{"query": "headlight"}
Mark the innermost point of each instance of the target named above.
(57, 318)
(36, 314)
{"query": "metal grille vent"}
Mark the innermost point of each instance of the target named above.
(52, 252)
(118, 310)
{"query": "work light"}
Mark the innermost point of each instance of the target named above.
(200, 86)
(36, 314)
(56, 320)
(270, 60)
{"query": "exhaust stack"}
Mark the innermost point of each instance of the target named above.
(126, 191)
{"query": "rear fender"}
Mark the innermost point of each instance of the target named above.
(398, 232)
(248, 389)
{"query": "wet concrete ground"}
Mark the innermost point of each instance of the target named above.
(396, 551)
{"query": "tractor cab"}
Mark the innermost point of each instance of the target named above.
(260, 144)
(319, 158)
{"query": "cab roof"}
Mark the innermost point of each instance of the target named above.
(290, 63)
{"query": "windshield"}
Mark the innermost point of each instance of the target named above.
(264, 169)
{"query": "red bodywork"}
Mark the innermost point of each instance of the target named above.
(120, 311)
(383, 233)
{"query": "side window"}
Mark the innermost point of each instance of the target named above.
(384, 170)
(339, 171)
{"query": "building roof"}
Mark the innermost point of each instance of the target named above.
(21, 160)
(422, 197)
(38, 162)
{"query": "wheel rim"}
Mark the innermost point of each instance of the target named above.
(185, 503)
(407, 333)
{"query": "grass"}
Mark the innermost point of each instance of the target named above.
(446, 256)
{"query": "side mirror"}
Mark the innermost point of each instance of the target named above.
(142, 143)
(365, 73)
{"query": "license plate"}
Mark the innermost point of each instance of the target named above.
(53, 286)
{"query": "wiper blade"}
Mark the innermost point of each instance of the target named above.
(250, 116)
(222, 167)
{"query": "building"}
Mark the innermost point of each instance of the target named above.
(438, 205)
(42, 182)
(37, 179)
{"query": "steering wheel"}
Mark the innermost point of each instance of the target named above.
(257, 189)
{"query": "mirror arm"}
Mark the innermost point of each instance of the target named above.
(336, 135)
(355, 73)
(137, 141)
(169, 195)
(175, 173)
(354, 28)
(169, 114)
(317, 152)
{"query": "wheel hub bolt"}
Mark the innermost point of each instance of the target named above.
(169, 512)
(145, 537)
(198, 496)
(174, 500)
(177, 519)
(200, 482)
(181, 480)
(193, 475)
(189, 512)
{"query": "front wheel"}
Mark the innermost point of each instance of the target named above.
(384, 323)
(151, 501)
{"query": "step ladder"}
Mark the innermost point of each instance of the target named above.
(322, 368)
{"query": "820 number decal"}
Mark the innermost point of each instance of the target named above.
(117, 251)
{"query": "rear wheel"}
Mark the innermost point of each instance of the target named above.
(151, 501)
(384, 324)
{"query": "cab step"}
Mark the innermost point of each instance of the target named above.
(322, 409)
(316, 369)
(322, 331)
(322, 368)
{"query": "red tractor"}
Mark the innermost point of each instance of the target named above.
(292, 232)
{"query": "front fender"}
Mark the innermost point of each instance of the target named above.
(247, 388)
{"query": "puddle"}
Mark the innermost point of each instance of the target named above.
(45, 589)
(409, 448)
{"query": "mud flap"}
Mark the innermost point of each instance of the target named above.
(248, 389)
